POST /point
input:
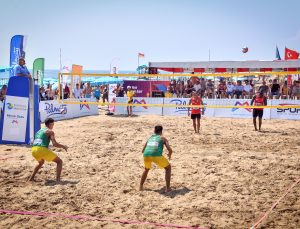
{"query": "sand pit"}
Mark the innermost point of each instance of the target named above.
(226, 177)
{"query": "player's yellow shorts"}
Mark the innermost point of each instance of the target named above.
(42, 153)
(161, 161)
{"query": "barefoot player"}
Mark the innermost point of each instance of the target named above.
(152, 151)
(196, 116)
(259, 100)
(40, 149)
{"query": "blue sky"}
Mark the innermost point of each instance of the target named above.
(96, 33)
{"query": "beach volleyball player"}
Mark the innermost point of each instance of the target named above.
(41, 152)
(130, 94)
(196, 112)
(259, 100)
(152, 153)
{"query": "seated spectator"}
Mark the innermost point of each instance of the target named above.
(230, 89)
(189, 88)
(50, 93)
(285, 91)
(197, 87)
(169, 93)
(264, 89)
(296, 90)
(3, 92)
(210, 89)
(221, 90)
(120, 92)
(248, 90)
(275, 90)
(42, 94)
(238, 89)
(203, 86)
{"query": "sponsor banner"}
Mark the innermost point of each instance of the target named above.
(236, 112)
(138, 110)
(159, 85)
(112, 96)
(15, 118)
(16, 51)
(79, 110)
(183, 111)
(38, 70)
(140, 88)
(285, 113)
(60, 111)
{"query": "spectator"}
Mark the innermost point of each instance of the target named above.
(238, 89)
(97, 93)
(120, 92)
(77, 92)
(264, 88)
(210, 89)
(105, 94)
(188, 90)
(203, 86)
(50, 93)
(230, 89)
(21, 69)
(197, 87)
(275, 89)
(168, 93)
(3, 92)
(221, 90)
(87, 92)
(248, 90)
(42, 93)
(296, 90)
(66, 92)
(285, 91)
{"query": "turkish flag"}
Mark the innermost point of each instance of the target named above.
(291, 54)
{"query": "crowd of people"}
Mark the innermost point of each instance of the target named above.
(233, 89)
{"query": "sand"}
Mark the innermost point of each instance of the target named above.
(226, 177)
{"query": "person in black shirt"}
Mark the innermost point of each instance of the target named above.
(275, 89)
(264, 88)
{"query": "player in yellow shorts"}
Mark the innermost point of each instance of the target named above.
(130, 94)
(41, 152)
(152, 152)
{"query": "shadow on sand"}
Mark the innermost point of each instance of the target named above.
(54, 182)
(174, 192)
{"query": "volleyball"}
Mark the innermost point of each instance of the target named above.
(245, 49)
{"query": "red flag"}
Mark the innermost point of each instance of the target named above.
(141, 55)
(291, 54)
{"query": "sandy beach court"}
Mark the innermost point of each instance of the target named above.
(226, 177)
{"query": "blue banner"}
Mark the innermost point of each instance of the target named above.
(16, 51)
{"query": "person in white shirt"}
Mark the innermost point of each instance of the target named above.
(197, 87)
(229, 88)
(77, 92)
(248, 90)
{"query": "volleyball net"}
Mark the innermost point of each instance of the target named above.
(97, 79)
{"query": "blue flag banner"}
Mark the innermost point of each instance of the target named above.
(277, 54)
(16, 51)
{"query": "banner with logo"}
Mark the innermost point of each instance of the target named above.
(16, 51)
(159, 85)
(59, 111)
(138, 110)
(15, 119)
(38, 70)
(183, 111)
(112, 96)
(285, 113)
(140, 88)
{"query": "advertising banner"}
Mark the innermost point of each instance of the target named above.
(183, 111)
(159, 85)
(111, 96)
(38, 70)
(16, 51)
(285, 113)
(60, 111)
(15, 119)
(140, 88)
(138, 110)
